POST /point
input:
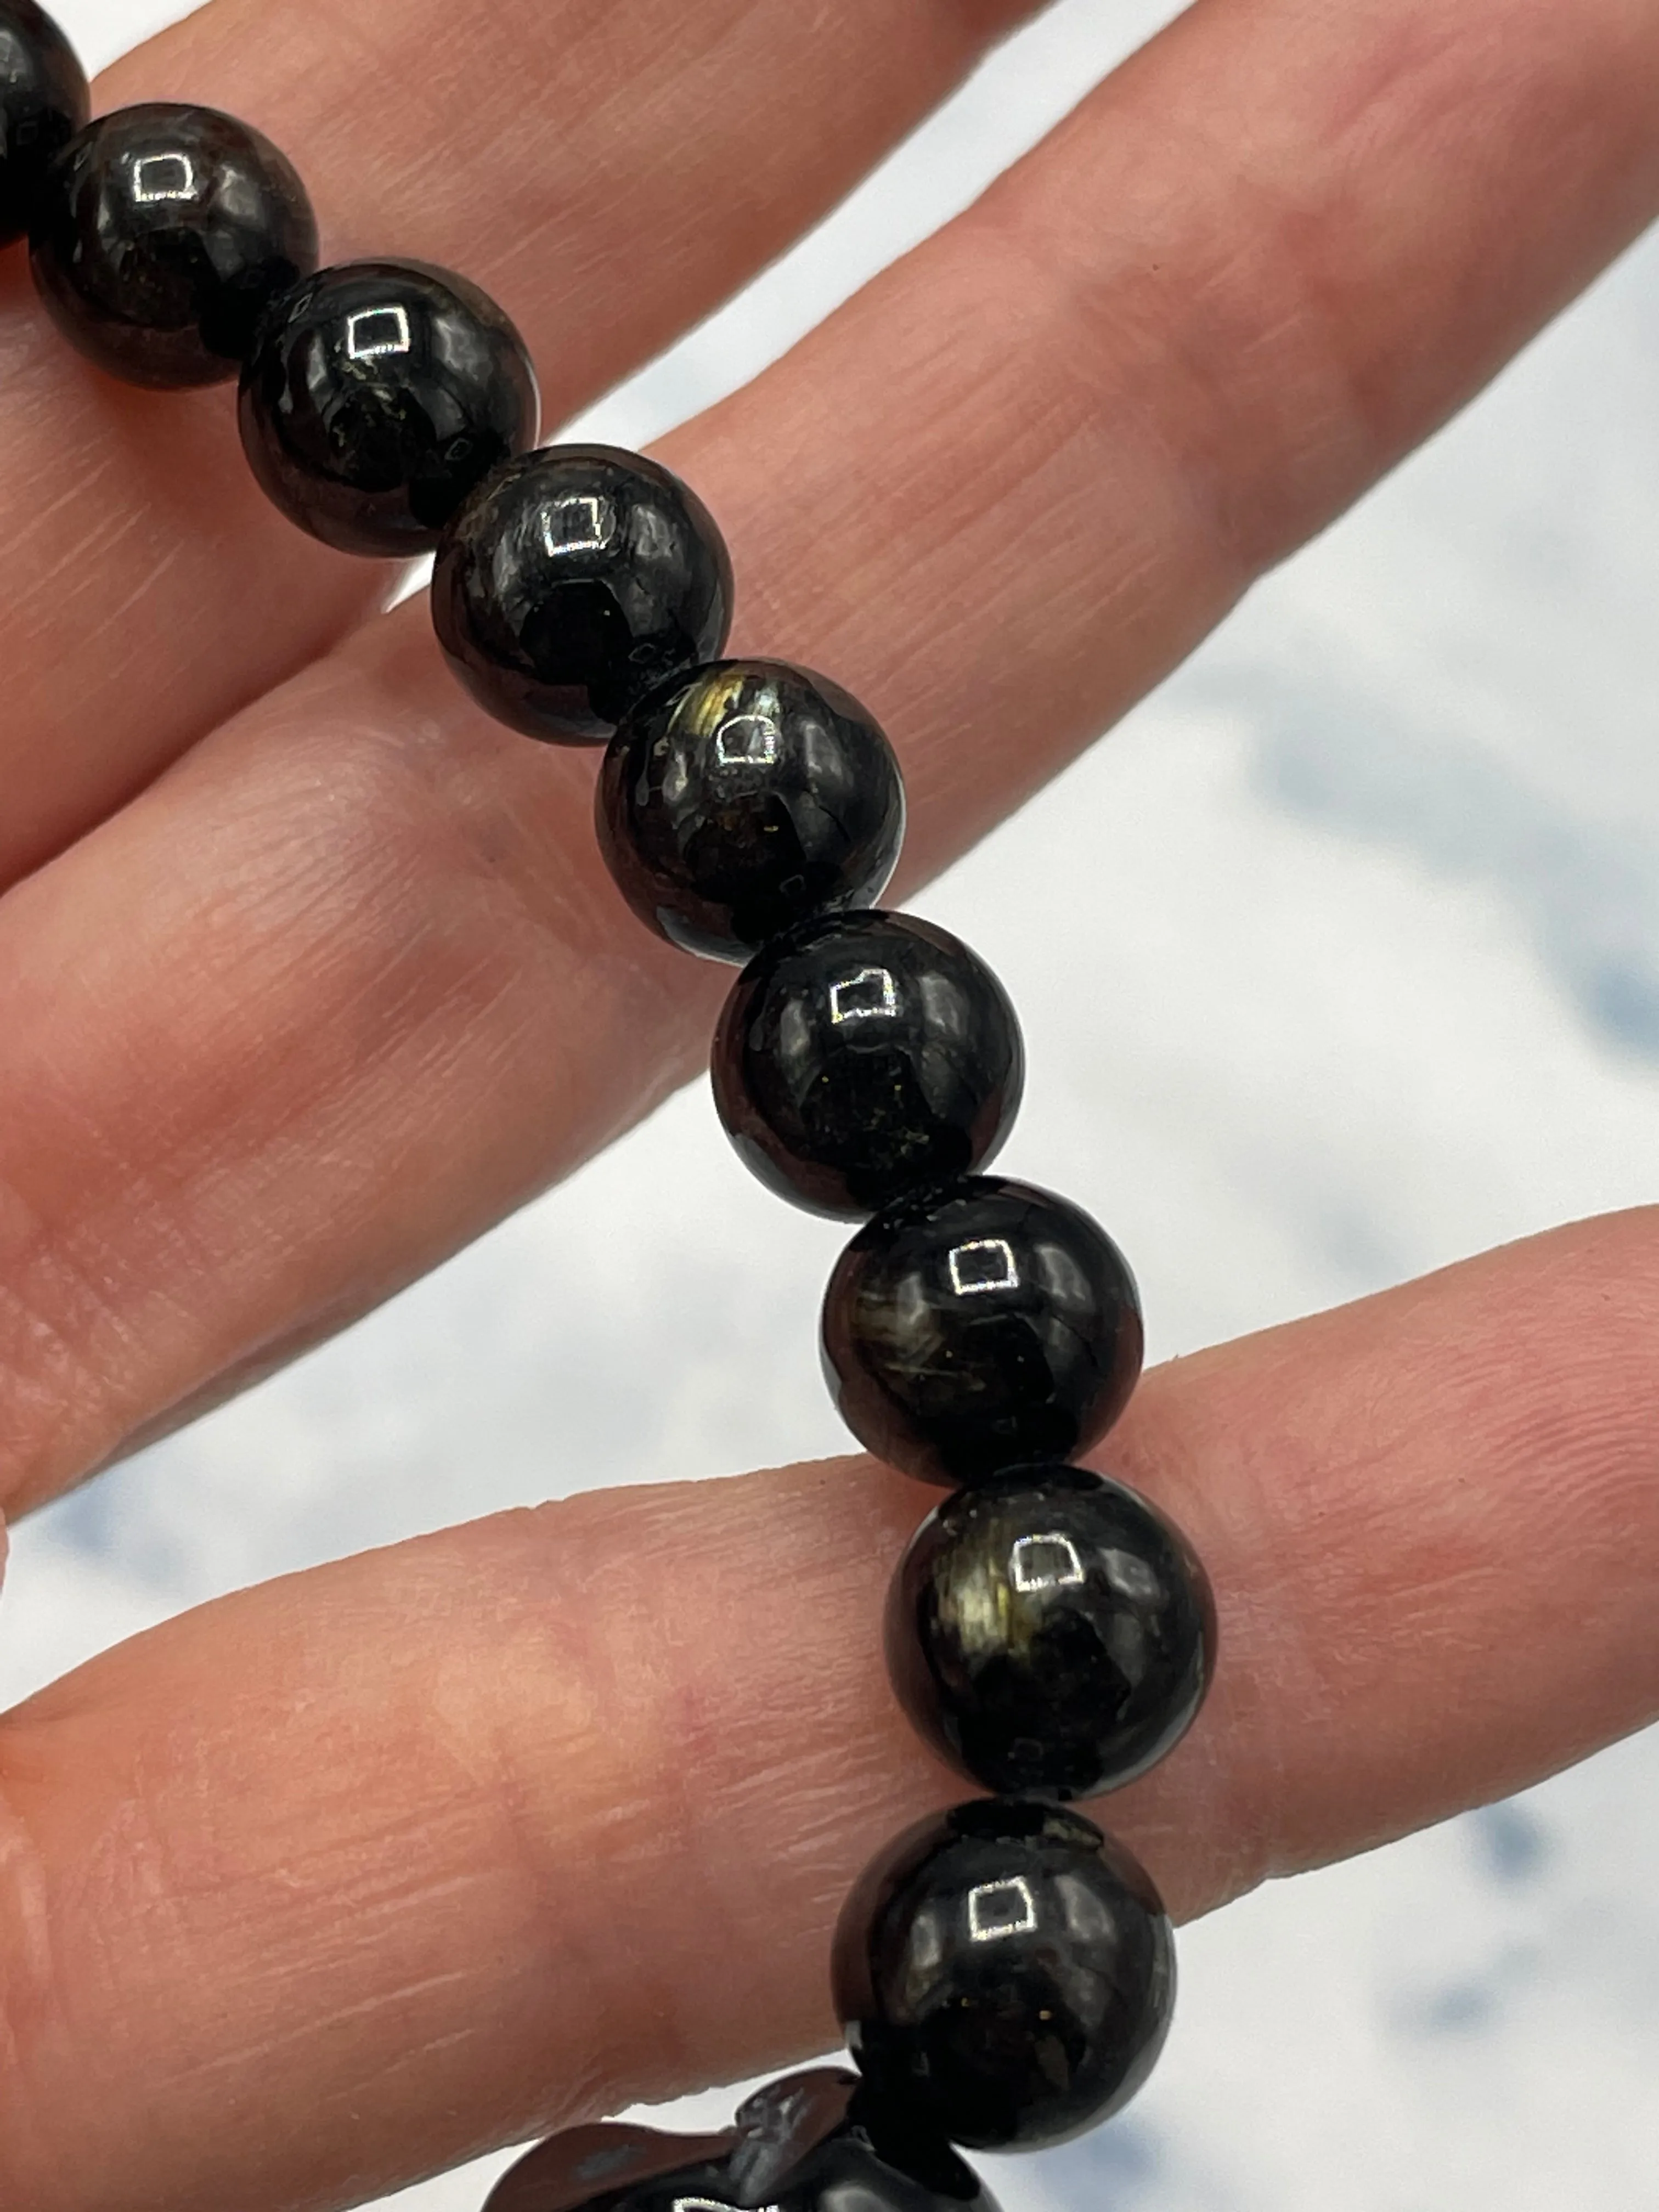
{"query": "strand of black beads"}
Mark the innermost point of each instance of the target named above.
(174, 245)
(749, 810)
(1004, 1974)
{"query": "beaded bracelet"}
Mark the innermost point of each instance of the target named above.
(1004, 1974)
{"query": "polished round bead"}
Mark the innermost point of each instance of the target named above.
(862, 1056)
(744, 799)
(1007, 1972)
(378, 395)
(44, 101)
(1048, 1633)
(572, 583)
(164, 234)
(970, 1328)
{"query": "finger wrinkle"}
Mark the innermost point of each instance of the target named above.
(69, 1331)
(655, 1737)
(697, 1758)
(411, 1996)
(76, 493)
(1369, 1560)
(348, 1875)
(27, 1978)
(153, 577)
(413, 929)
(83, 1300)
(571, 1749)
(1265, 327)
(1207, 336)
(461, 804)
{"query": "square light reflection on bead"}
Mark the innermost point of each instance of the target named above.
(1046, 1563)
(582, 522)
(163, 177)
(986, 1264)
(373, 333)
(868, 994)
(747, 741)
(713, 2204)
(999, 1909)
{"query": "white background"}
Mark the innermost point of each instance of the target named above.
(1358, 937)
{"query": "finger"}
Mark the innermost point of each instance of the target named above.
(608, 173)
(338, 1879)
(392, 994)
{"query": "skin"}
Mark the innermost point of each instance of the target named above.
(339, 1880)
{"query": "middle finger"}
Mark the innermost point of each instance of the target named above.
(609, 173)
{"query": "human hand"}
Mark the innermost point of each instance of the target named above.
(348, 984)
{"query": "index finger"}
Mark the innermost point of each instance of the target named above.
(600, 171)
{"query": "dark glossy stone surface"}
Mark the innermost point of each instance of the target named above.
(818, 2141)
(378, 396)
(163, 234)
(969, 1329)
(575, 582)
(612, 2166)
(1049, 1632)
(862, 1056)
(744, 799)
(44, 101)
(1005, 1973)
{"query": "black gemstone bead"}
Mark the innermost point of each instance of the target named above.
(969, 1329)
(44, 101)
(863, 1056)
(744, 799)
(819, 2141)
(572, 583)
(1049, 1632)
(1006, 1972)
(378, 395)
(162, 236)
